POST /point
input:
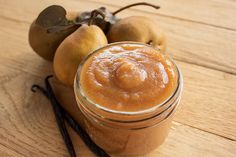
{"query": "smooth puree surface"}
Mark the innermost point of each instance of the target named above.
(128, 77)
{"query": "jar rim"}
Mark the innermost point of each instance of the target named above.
(77, 87)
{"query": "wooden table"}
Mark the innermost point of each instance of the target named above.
(201, 38)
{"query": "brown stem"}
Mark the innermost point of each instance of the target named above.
(135, 4)
(60, 28)
(94, 14)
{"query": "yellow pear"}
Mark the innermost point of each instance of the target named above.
(140, 29)
(74, 48)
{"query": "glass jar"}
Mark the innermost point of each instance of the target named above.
(128, 133)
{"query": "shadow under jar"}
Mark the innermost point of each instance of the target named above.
(128, 93)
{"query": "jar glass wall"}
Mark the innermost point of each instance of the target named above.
(127, 132)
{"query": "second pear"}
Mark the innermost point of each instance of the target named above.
(74, 48)
(140, 29)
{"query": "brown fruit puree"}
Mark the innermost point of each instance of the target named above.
(128, 77)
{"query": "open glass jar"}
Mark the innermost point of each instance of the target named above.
(128, 132)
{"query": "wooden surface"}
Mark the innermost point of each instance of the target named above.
(201, 38)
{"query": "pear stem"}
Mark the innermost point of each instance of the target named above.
(94, 14)
(135, 4)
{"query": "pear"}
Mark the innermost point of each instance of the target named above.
(73, 49)
(56, 18)
(139, 29)
(44, 43)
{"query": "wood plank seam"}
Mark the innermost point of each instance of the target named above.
(227, 138)
(167, 16)
(204, 66)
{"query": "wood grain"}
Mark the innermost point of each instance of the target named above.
(30, 62)
(205, 125)
(201, 144)
(208, 100)
(219, 85)
(215, 13)
(200, 44)
(29, 127)
(200, 83)
(7, 152)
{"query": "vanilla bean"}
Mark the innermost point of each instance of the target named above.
(84, 136)
(73, 124)
(70, 120)
(59, 118)
(35, 87)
